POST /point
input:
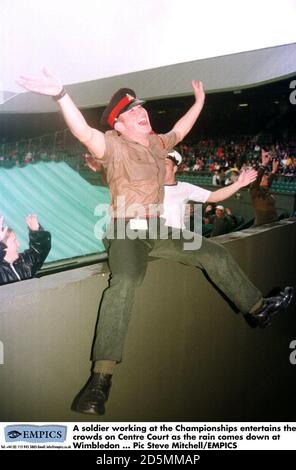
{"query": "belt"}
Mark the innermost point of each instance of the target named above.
(138, 223)
(147, 217)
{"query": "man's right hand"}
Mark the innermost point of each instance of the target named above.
(49, 85)
(46, 85)
(198, 91)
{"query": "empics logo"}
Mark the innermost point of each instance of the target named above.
(32, 433)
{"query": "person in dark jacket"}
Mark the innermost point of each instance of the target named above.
(263, 201)
(16, 266)
(222, 222)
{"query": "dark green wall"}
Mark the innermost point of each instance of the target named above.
(241, 203)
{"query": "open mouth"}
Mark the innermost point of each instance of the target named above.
(142, 122)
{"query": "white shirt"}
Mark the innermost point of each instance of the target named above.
(175, 198)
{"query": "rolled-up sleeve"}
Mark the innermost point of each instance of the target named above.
(169, 140)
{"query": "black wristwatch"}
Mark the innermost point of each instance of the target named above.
(60, 95)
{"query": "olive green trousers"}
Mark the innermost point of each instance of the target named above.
(128, 260)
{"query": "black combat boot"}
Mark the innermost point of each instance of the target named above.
(91, 399)
(270, 308)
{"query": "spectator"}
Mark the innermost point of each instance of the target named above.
(28, 158)
(263, 201)
(216, 179)
(209, 213)
(233, 217)
(16, 266)
(222, 222)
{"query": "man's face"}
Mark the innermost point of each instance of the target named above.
(12, 244)
(219, 213)
(170, 170)
(134, 121)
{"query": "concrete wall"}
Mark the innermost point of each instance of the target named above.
(188, 356)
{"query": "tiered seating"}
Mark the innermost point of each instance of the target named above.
(281, 185)
(284, 186)
(199, 180)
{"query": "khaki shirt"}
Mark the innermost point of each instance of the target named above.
(135, 173)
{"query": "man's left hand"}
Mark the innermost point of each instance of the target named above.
(198, 91)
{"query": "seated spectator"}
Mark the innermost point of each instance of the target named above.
(209, 213)
(231, 176)
(222, 177)
(216, 179)
(222, 223)
(233, 217)
(199, 164)
(16, 266)
(28, 157)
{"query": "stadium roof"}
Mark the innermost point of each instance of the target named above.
(230, 72)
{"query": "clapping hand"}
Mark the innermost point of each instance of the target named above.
(32, 222)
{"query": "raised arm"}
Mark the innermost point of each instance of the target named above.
(49, 85)
(185, 124)
(39, 245)
(265, 159)
(245, 178)
(275, 166)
